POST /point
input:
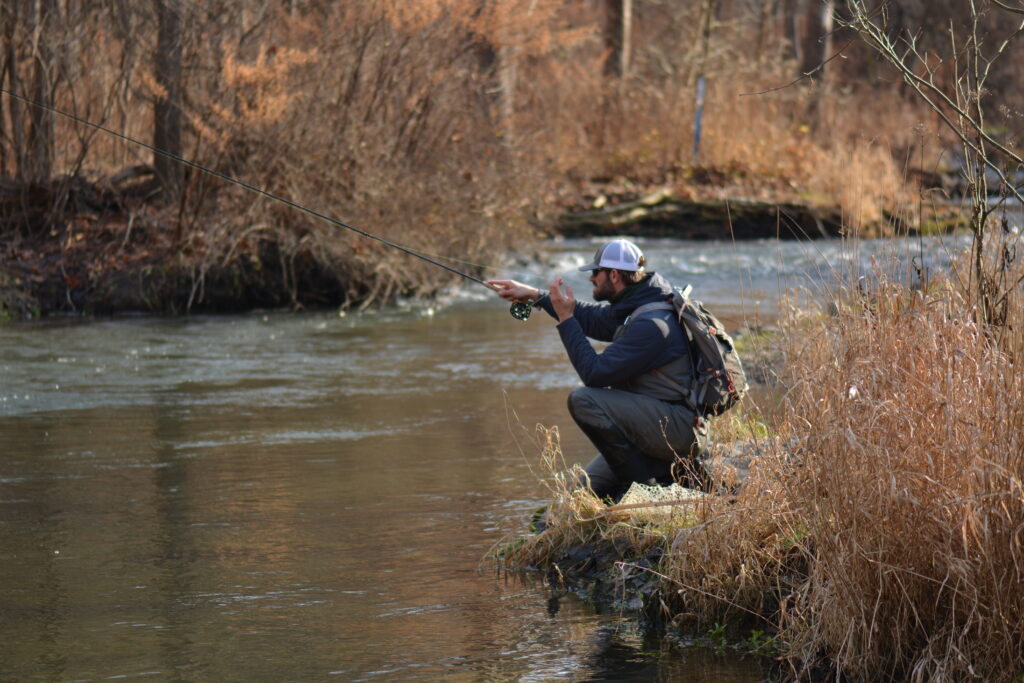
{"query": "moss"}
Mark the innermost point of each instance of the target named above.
(942, 220)
(942, 225)
(750, 342)
(750, 426)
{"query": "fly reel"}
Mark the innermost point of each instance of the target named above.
(521, 311)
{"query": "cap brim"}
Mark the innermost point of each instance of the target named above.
(589, 266)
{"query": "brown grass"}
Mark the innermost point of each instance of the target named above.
(910, 491)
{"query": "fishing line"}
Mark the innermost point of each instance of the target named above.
(257, 190)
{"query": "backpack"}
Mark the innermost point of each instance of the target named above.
(718, 382)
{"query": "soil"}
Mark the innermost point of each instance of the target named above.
(109, 252)
(611, 576)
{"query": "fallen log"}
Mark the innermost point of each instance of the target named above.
(659, 214)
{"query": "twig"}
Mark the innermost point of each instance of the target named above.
(877, 38)
(636, 506)
(1015, 10)
(810, 73)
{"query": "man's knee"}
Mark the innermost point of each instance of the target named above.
(577, 397)
(585, 407)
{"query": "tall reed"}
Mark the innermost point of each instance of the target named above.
(910, 487)
(889, 543)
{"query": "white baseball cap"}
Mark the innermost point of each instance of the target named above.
(618, 254)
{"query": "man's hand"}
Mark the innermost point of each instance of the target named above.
(515, 291)
(564, 304)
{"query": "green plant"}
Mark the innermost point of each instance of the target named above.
(760, 643)
(718, 637)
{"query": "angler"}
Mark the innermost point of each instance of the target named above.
(644, 427)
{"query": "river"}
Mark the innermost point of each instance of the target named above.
(312, 496)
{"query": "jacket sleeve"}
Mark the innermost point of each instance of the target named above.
(640, 349)
(595, 319)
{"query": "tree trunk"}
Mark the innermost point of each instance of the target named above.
(816, 37)
(9, 79)
(38, 167)
(767, 8)
(167, 107)
(828, 11)
(508, 74)
(618, 36)
(792, 13)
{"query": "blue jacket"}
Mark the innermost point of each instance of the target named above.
(643, 346)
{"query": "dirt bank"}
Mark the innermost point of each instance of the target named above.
(78, 248)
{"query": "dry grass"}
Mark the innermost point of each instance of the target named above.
(575, 516)
(909, 490)
(824, 144)
(913, 495)
(886, 542)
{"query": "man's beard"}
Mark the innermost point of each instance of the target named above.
(604, 291)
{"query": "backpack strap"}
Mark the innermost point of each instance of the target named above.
(647, 308)
(640, 311)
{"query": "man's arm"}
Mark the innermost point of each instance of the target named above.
(640, 349)
(593, 318)
(517, 292)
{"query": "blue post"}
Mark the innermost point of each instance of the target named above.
(699, 116)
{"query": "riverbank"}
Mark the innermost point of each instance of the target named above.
(110, 250)
(448, 146)
(107, 248)
(116, 264)
(877, 534)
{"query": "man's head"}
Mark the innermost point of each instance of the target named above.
(616, 265)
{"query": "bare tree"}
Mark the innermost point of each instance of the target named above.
(818, 37)
(167, 106)
(959, 100)
(28, 39)
(39, 161)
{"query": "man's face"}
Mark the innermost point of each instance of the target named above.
(602, 281)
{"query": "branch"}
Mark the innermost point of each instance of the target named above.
(803, 76)
(883, 45)
(1015, 10)
(1006, 292)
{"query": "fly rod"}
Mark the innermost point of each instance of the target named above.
(247, 186)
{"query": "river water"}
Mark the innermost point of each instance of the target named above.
(313, 496)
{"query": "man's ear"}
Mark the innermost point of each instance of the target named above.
(616, 278)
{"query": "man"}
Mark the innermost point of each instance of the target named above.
(631, 405)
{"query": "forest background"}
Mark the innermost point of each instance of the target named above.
(460, 128)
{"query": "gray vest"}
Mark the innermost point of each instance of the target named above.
(671, 381)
